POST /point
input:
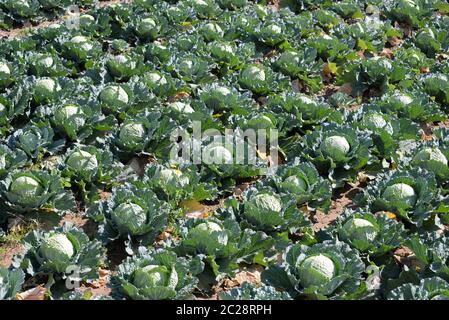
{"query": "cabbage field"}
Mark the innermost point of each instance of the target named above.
(120, 129)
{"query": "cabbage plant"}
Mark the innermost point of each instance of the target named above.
(426, 40)
(375, 73)
(249, 291)
(340, 151)
(10, 159)
(411, 194)
(430, 155)
(437, 85)
(205, 8)
(122, 66)
(114, 98)
(292, 62)
(302, 182)
(56, 252)
(221, 243)
(160, 83)
(411, 104)
(157, 275)
(90, 167)
(431, 251)
(294, 111)
(80, 49)
(46, 65)
(131, 213)
(387, 130)
(272, 32)
(11, 281)
(408, 11)
(147, 28)
(134, 135)
(193, 69)
(427, 289)
(224, 53)
(327, 270)
(211, 31)
(232, 4)
(265, 210)
(35, 139)
(221, 97)
(45, 90)
(78, 120)
(22, 8)
(146, 132)
(206, 237)
(375, 235)
(31, 190)
(177, 184)
(257, 78)
(6, 74)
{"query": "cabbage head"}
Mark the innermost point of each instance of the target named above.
(129, 218)
(400, 192)
(336, 148)
(57, 248)
(316, 270)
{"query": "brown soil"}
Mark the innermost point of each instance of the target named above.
(8, 252)
(321, 220)
(251, 274)
(77, 220)
(116, 254)
(98, 287)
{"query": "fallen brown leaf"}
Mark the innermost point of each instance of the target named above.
(37, 293)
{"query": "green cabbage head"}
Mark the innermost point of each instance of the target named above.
(173, 177)
(86, 21)
(254, 78)
(267, 202)
(181, 107)
(336, 148)
(114, 96)
(26, 189)
(207, 226)
(151, 276)
(316, 270)
(430, 154)
(360, 229)
(207, 237)
(132, 133)
(147, 28)
(81, 161)
(377, 121)
(45, 89)
(212, 31)
(217, 155)
(400, 192)
(57, 248)
(5, 74)
(216, 97)
(129, 218)
(294, 184)
(71, 115)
